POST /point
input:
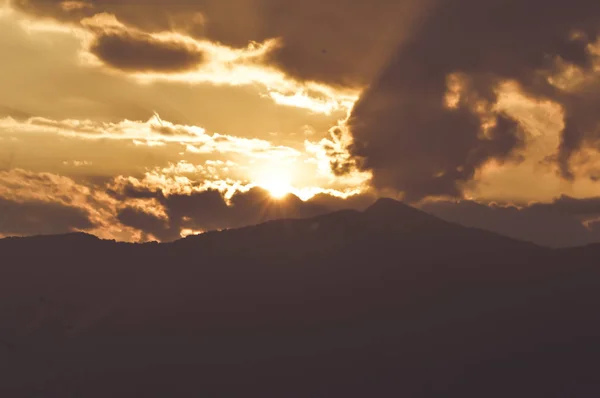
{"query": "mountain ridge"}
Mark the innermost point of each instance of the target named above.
(385, 211)
(385, 302)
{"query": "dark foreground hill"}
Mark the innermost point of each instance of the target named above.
(389, 302)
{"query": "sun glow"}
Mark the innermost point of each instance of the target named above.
(277, 181)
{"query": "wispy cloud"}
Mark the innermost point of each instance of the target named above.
(151, 132)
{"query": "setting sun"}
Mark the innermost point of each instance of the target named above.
(276, 181)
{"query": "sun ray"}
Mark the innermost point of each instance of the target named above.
(276, 181)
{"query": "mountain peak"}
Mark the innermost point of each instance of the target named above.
(387, 202)
(387, 210)
(388, 206)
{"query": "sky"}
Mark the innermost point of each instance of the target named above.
(144, 120)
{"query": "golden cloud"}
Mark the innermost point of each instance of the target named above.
(72, 5)
(170, 56)
(537, 177)
(152, 132)
(25, 188)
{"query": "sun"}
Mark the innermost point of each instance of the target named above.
(275, 181)
(277, 189)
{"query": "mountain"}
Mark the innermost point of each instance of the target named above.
(387, 302)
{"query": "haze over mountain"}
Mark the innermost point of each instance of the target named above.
(386, 302)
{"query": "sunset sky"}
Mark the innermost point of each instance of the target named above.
(150, 120)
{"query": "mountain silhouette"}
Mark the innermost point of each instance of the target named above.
(386, 302)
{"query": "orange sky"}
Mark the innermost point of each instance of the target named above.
(90, 99)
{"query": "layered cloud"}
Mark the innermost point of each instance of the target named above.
(308, 168)
(154, 131)
(36, 203)
(168, 208)
(50, 73)
(208, 210)
(158, 207)
(188, 208)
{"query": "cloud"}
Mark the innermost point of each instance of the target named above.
(587, 163)
(77, 163)
(429, 121)
(152, 226)
(143, 53)
(536, 177)
(70, 6)
(157, 52)
(45, 203)
(172, 56)
(217, 161)
(153, 131)
(314, 36)
(82, 88)
(41, 217)
(333, 159)
(471, 99)
(171, 202)
(564, 222)
(166, 209)
(208, 209)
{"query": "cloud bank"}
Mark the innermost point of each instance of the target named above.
(430, 120)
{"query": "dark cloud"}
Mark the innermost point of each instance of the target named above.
(423, 149)
(561, 223)
(594, 227)
(414, 143)
(581, 125)
(149, 224)
(13, 112)
(573, 206)
(36, 217)
(357, 202)
(342, 42)
(335, 148)
(141, 52)
(409, 52)
(208, 210)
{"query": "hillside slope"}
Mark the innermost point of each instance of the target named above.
(387, 302)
